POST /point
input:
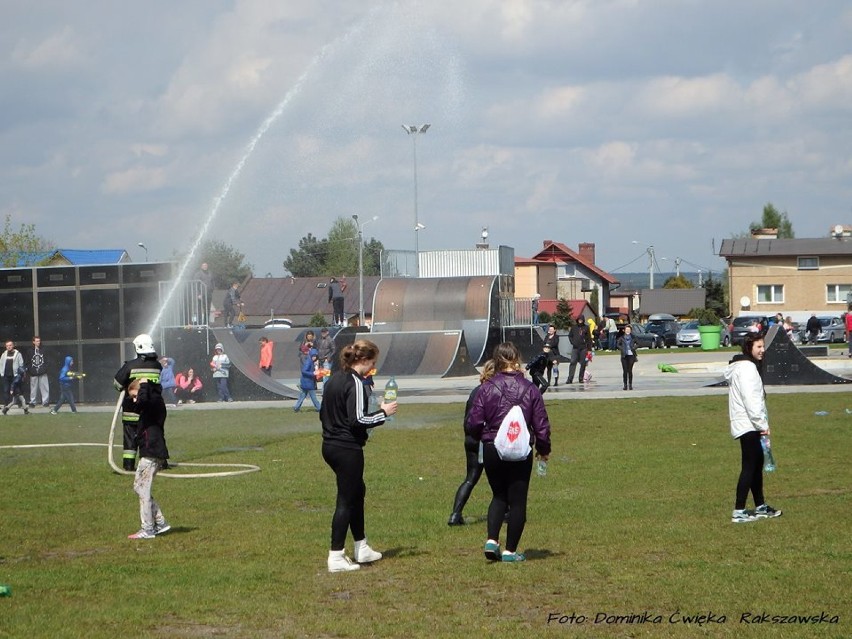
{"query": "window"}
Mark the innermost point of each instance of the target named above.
(770, 294)
(808, 263)
(837, 292)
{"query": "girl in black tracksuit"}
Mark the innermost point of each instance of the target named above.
(345, 420)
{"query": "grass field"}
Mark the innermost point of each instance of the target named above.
(629, 535)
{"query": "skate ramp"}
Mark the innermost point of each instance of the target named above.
(785, 364)
(468, 304)
(194, 348)
(423, 353)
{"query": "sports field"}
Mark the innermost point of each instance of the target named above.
(629, 535)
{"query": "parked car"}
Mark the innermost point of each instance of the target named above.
(747, 324)
(664, 325)
(278, 322)
(644, 339)
(689, 335)
(832, 330)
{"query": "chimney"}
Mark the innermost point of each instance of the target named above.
(587, 252)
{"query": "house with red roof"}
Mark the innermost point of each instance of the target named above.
(558, 272)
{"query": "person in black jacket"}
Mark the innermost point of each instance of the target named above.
(148, 397)
(581, 342)
(537, 368)
(472, 456)
(551, 340)
(37, 369)
(813, 327)
(345, 418)
(146, 365)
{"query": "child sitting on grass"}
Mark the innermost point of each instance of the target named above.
(153, 454)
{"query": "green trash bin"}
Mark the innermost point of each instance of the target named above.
(711, 337)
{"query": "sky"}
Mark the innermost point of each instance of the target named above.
(626, 123)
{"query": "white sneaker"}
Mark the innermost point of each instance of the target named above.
(339, 562)
(364, 554)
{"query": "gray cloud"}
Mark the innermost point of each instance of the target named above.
(607, 121)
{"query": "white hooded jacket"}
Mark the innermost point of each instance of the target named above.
(746, 400)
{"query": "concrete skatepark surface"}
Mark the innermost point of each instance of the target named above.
(697, 371)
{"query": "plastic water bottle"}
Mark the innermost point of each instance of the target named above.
(541, 467)
(391, 393)
(768, 458)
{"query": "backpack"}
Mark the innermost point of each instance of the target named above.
(513, 437)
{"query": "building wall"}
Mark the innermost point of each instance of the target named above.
(526, 280)
(804, 290)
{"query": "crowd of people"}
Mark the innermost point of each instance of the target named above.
(505, 405)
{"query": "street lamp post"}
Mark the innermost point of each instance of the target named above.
(413, 130)
(142, 246)
(361, 265)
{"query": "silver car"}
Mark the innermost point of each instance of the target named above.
(689, 335)
(832, 330)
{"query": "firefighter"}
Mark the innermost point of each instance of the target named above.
(145, 366)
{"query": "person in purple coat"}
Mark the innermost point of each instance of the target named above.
(509, 480)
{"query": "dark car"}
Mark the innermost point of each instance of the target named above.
(644, 339)
(750, 324)
(666, 326)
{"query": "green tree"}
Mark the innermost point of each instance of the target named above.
(318, 319)
(678, 281)
(775, 219)
(342, 258)
(22, 247)
(714, 299)
(562, 319)
(373, 257)
(225, 263)
(335, 255)
(309, 260)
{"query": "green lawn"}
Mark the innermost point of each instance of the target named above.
(632, 519)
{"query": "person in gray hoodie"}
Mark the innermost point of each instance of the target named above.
(749, 420)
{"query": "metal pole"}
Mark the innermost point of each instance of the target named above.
(416, 218)
(360, 277)
(651, 267)
(360, 270)
(413, 130)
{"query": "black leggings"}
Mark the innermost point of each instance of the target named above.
(627, 369)
(510, 483)
(474, 472)
(348, 467)
(751, 475)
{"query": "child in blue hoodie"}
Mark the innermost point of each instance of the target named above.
(66, 377)
(308, 382)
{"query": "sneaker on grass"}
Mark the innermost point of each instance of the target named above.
(742, 516)
(364, 554)
(142, 534)
(339, 562)
(513, 556)
(765, 511)
(165, 527)
(492, 550)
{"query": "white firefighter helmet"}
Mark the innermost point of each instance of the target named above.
(144, 344)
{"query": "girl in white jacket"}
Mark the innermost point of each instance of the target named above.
(749, 420)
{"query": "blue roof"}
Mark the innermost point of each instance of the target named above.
(81, 258)
(74, 256)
